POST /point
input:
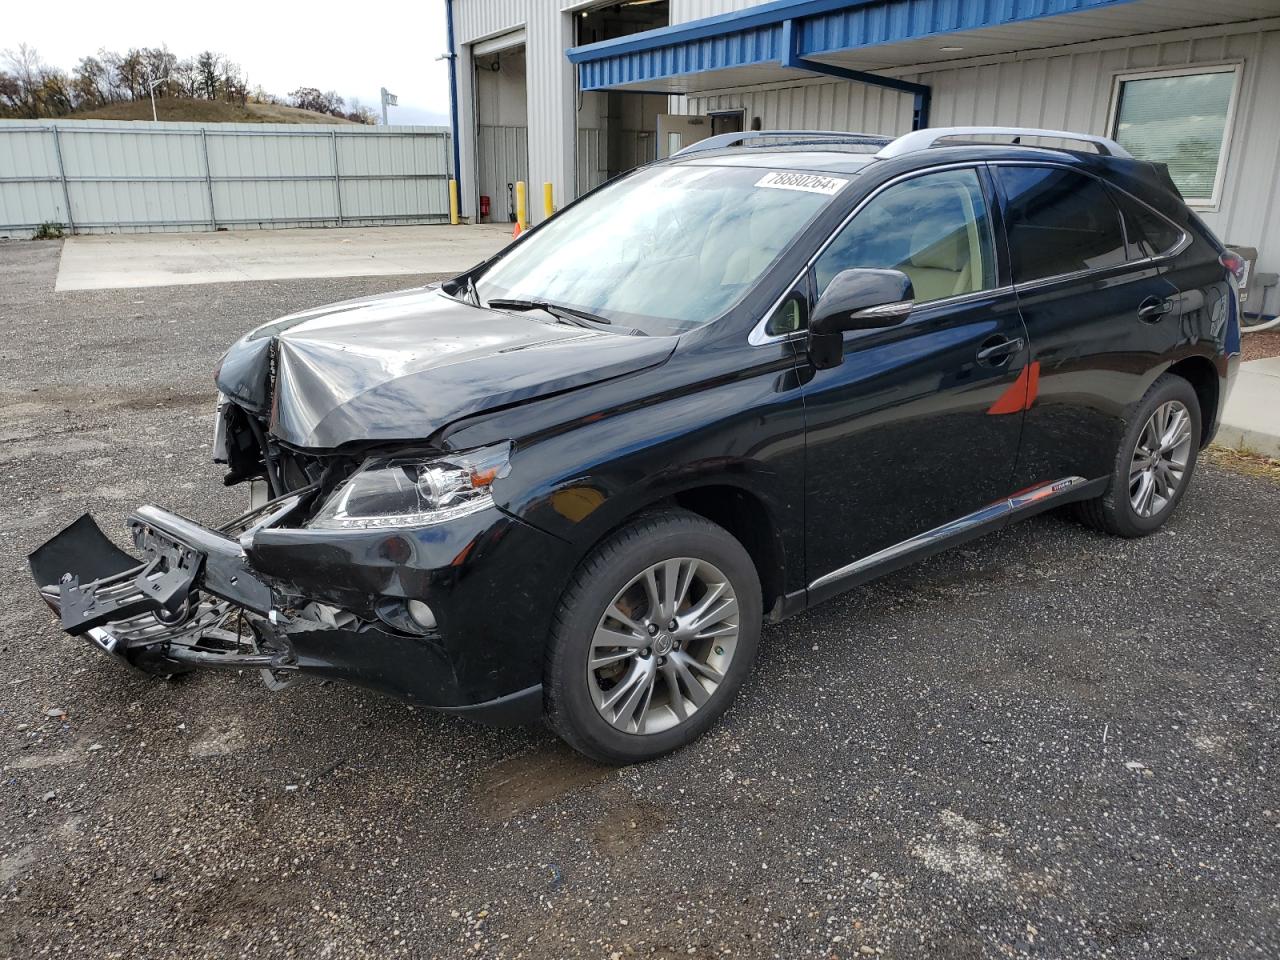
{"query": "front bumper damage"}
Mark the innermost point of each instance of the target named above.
(191, 601)
(263, 593)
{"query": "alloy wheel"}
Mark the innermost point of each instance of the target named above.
(663, 645)
(1160, 457)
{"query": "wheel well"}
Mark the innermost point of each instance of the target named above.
(747, 518)
(1203, 377)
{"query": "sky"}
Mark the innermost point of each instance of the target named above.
(352, 49)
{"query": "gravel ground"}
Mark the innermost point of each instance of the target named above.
(1263, 343)
(1050, 744)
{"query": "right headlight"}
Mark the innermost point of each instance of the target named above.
(414, 491)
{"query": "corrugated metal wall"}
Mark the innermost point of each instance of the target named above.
(118, 176)
(1067, 88)
(502, 158)
(592, 169)
(685, 10)
(551, 83)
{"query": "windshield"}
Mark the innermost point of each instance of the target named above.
(665, 250)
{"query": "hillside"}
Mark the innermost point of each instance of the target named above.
(204, 111)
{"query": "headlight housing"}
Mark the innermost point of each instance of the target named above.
(414, 491)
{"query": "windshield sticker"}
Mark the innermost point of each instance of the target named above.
(808, 182)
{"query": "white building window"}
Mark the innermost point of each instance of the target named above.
(1182, 118)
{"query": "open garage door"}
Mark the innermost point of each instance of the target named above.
(616, 131)
(502, 124)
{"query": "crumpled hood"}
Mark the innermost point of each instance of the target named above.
(400, 366)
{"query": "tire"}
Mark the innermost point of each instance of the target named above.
(1115, 511)
(707, 561)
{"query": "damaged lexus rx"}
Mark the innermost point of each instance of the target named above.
(574, 481)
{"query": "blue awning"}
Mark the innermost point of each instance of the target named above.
(771, 41)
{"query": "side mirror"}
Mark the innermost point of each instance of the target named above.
(862, 299)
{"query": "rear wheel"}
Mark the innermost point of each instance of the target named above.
(652, 639)
(1154, 463)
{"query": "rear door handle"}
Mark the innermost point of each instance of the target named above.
(997, 350)
(1153, 308)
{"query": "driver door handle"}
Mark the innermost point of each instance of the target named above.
(1153, 308)
(998, 349)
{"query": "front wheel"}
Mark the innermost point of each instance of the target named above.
(1154, 464)
(653, 637)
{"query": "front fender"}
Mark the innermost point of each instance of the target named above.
(578, 475)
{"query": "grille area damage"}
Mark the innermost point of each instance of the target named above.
(191, 600)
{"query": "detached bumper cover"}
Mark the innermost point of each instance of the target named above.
(287, 600)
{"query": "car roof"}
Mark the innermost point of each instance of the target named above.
(841, 152)
(787, 158)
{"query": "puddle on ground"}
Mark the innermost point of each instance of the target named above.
(530, 780)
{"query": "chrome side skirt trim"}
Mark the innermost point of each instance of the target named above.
(1001, 508)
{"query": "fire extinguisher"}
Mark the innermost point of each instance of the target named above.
(484, 206)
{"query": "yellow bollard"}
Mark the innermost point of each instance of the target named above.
(548, 199)
(453, 202)
(522, 206)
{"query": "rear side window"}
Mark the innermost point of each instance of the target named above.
(1059, 222)
(1150, 235)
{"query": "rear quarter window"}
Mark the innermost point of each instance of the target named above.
(1059, 222)
(1150, 235)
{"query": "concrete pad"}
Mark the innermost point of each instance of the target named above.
(1251, 418)
(115, 261)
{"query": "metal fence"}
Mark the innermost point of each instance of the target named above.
(98, 176)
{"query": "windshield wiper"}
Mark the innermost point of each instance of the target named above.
(579, 318)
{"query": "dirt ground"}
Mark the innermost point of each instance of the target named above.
(1259, 345)
(1049, 744)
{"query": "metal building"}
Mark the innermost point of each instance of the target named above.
(571, 92)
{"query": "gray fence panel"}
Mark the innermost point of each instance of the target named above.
(127, 177)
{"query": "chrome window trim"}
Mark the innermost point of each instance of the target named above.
(1005, 506)
(758, 337)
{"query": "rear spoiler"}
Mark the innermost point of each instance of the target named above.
(1166, 179)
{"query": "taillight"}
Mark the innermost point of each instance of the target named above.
(1236, 265)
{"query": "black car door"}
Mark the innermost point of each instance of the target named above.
(1100, 316)
(919, 425)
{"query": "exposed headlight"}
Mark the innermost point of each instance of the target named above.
(414, 492)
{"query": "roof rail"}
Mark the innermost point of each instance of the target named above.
(929, 137)
(720, 141)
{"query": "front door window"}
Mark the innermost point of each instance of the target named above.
(934, 228)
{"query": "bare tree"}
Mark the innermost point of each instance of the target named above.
(30, 88)
(26, 70)
(10, 95)
(91, 83)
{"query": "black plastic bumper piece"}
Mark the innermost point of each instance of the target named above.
(515, 709)
(98, 583)
(159, 533)
(118, 586)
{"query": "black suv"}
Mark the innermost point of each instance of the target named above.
(574, 480)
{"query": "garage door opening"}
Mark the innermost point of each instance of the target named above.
(502, 127)
(617, 132)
